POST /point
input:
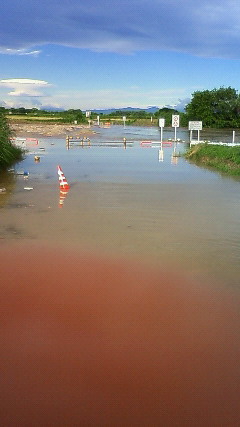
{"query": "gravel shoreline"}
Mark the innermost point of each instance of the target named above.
(35, 130)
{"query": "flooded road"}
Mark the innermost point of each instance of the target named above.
(128, 202)
(120, 299)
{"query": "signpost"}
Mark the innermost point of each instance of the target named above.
(175, 124)
(161, 125)
(124, 120)
(195, 125)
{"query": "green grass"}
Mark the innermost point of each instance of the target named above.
(222, 158)
(9, 154)
(25, 118)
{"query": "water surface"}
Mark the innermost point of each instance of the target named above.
(120, 298)
(128, 201)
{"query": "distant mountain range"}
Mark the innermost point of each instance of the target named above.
(180, 106)
(151, 109)
(111, 110)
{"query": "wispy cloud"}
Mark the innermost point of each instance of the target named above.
(209, 28)
(20, 52)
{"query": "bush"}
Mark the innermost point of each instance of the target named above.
(9, 154)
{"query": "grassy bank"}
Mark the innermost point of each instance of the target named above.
(26, 119)
(9, 154)
(222, 158)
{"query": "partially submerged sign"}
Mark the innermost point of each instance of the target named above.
(161, 123)
(175, 124)
(175, 121)
(195, 125)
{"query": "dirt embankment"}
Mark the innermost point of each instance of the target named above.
(49, 129)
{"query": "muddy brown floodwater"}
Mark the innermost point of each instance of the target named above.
(94, 341)
(120, 300)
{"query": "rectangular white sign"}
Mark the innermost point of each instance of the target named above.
(124, 118)
(161, 123)
(194, 125)
(175, 121)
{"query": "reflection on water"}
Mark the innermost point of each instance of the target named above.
(7, 184)
(62, 197)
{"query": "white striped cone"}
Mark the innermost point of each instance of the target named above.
(62, 180)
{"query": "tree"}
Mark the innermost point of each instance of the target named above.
(166, 113)
(71, 115)
(215, 108)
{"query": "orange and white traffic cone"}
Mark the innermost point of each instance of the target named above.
(62, 180)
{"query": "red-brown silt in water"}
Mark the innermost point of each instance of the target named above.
(93, 341)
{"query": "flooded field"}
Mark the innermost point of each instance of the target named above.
(128, 201)
(120, 297)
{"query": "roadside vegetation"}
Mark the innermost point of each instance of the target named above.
(222, 158)
(9, 154)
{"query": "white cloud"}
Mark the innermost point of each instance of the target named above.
(20, 52)
(24, 87)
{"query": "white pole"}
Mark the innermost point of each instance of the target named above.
(161, 133)
(175, 133)
(98, 120)
(233, 138)
(198, 135)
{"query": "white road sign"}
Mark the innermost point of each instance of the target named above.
(194, 125)
(175, 121)
(161, 123)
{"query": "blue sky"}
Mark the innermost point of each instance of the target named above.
(113, 54)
